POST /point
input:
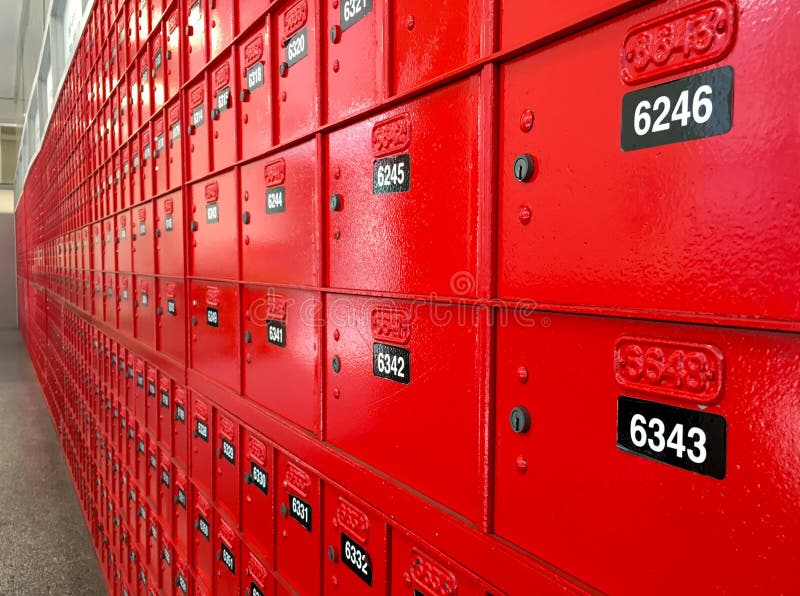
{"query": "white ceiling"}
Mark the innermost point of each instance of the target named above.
(10, 21)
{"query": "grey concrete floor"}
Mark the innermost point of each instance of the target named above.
(46, 548)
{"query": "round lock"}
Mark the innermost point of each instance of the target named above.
(159, 311)
(244, 95)
(247, 337)
(246, 217)
(336, 364)
(520, 420)
(158, 232)
(523, 167)
(331, 554)
(335, 34)
(336, 202)
(284, 510)
(193, 226)
(194, 321)
(283, 69)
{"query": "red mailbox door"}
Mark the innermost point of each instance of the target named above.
(158, 74)
(147, 163)
(197, 42)
(379, 355)
(160, 165)
(224, 112)
(173, 54)
(518, 28)
(124, 108)
(683, 252)
(164, 492)
(171, 318)
(383, 183)
(214, 226)
(134, 96)
(143, 245)
(357, 538)
(175, 152)
(418, 569)
(151, 399)
(258, 490)
(295, 47)
(166, 566)
(169, 234)
(215, 332)
(227, 569)
(123, 242)
(144, 310)
(198, 129)
(153, 473)
(255, 97)
(221, 24)
(299, 526)
(139, 389)
(202, 460)
(183, 578)
(281, 343)
(141, 457)
(145, 86)
(97, 246)
(181, 515)
(663, 411)
(227, 466)
(144, 21)
(352, 76)
(203, 551)
(108, 245)
(165, 411)
(124, 304)
(279, 200)
(256, 579)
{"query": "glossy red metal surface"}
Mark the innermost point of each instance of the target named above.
(393, 297)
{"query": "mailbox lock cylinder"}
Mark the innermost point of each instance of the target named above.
(523, 167)
(520, 420)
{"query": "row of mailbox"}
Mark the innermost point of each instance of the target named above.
(380, 219)
(228, 506)
(137, 55)
(562, 383)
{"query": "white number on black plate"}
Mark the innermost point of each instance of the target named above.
(228, 559)
(688, 439)
(276, 333)
(301, 511)
(276, 199)
(391, 174)
(352, 11)
(202, 430)
(391, 362)
(690, 108)
(356, 558)
(259, 477)
(212, 317)
(212, 213)
(255, 76)
(202, 526)
(297, 47)
(228, 451)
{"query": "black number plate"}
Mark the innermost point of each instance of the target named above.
(212, 317)
(180, 413)
(203, 527)
(198, 116)
(688, 439)
(182, 583)
(255, 76)
(276, 199)
(169, 225)
(391, 174)
(171, 307)
(228, 451)
(352, 11)
(202, 430)
(391, 362)
(255, 590)
(690, 108)
(228, 559)
(151, 389)
(164, 399)
(212, 213)
(301, 511)
(260, 478)
(223, 99)
(276, 333)
(165, 477)
(139, 380)
(297, 47)
(182, 498)
(356, 558)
